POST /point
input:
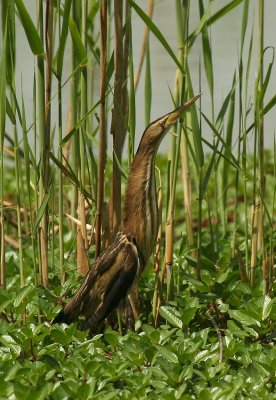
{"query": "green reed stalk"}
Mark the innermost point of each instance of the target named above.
(260, 120)
(2, 133)
(74, 111)
(102, 140)
(260, 125)
(63, 33)
(82, 251)
(9, 31)
(42, 151)
(48, 89)
(182, 13)
(60, 176)
(148, 87)
(243, 125)
(19, 187)
(26, 149)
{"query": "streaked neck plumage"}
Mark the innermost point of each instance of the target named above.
(140, 203)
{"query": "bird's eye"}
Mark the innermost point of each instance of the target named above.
(162, 124)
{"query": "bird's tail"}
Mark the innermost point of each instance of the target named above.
(69, 313)
(61, 317)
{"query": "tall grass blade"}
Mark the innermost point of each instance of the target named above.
(157, 33)
(63, 37)
(32, 34)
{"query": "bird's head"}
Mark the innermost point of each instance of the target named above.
(155, 132)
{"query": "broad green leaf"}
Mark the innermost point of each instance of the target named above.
(188, 314)
(4, 303)
(156, 33)
(169, 314)
(243, 317)
(29, 28)
(26, 291)
(167, 354)
(267, 307)
(51, 361)
(236, 330)
(10, 343)
(206, 277)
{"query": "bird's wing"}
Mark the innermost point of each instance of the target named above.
(116, 284)
(118, 262)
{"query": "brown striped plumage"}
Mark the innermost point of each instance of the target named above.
(114, 272)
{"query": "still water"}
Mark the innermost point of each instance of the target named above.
(225, 41)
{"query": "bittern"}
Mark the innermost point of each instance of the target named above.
(120, 265)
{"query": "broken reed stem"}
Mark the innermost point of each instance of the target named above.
(144, 45)
(102, 134)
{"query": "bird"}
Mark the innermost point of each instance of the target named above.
(120, 265)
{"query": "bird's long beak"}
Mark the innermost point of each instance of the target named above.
(174, 115)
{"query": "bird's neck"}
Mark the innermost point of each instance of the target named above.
(140, 203)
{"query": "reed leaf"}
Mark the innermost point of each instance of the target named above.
(207, 53)
(79, 48)
(157, 33)
(195, 127)
(63, 37)
(32, 34)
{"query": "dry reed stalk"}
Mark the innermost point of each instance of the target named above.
(117, 118)
(82, 256)
(102, 141)
(105, 226)
(82, 241)
(144, 45)
(13, 243)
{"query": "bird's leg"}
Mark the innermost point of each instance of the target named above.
(132, 308)
(134, 301)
